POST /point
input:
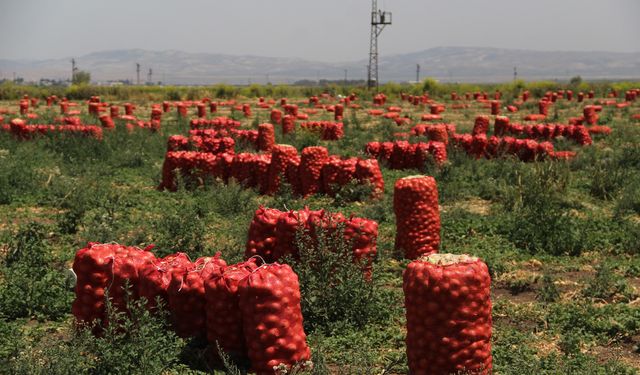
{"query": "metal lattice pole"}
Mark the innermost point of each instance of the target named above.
(379, 20)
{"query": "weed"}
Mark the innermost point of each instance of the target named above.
(606, 284)
(334, 289)
(548, 292)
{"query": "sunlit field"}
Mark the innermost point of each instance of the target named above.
(555, 218)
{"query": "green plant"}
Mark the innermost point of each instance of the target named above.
(570, 342)
(30, 283)
(539, 220)
(334, 289)
(181, 228)
(606, 284)
(135, 343)
(548, 291)
(11, 343)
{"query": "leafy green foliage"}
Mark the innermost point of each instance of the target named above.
(548, 292)
(335, 292)
(30, 285)
(568, 215)
(606, 284)
(135, 343)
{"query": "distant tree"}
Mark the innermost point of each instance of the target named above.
(575, 81)
(430, 85)
(81, 77)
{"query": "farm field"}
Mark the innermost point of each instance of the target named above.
(556, 219)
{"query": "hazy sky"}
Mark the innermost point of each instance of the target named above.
(324, 30)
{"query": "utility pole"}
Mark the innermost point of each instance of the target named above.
(138, 74)
(515, 73)
(150, 76)
(74, 69)
(417, 73)
(379, 19)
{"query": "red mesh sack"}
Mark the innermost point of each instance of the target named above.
(481, 125)
(420, 129)
(372, 149)
(128, 109)
(261, 239)
(330, 174)
(448, 310)
(501, 125)
(421, 155)
(346, 171)
(415, 203)
(311, 163)
(260, 167)
(276, 116)
(241, 169)
(288, 124)
(285, 234)
(338, 112)
(543, 107)
(107, 122)
(364, 235)
(590, 115)
(598, 129)
(438, 151)
(400, 158)
(202, 110)
(479, 145)
(281, 157)
(386, 149)
(156, 276)
(292, 174)
(272, 318)
(438, 133)
(332, 131)
(495, 107)
(224, 320)
(186, 295)
(266, 137)
(102, 267)
(368, 171)
(582, 136)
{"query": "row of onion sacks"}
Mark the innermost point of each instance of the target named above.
(246, 310)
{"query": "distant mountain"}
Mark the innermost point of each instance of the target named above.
(468, 64)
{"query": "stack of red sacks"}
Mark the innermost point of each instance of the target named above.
(265, 171)
(272, 234)
(248, 136)
(435, 132)
(330, 131)
(204, 143)
(577, 133)
(103, 269)
(404, 155)
(187, 303)
(480, 146)
(21, 130)
(204, 298)
(218, 123)
(193, 165)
